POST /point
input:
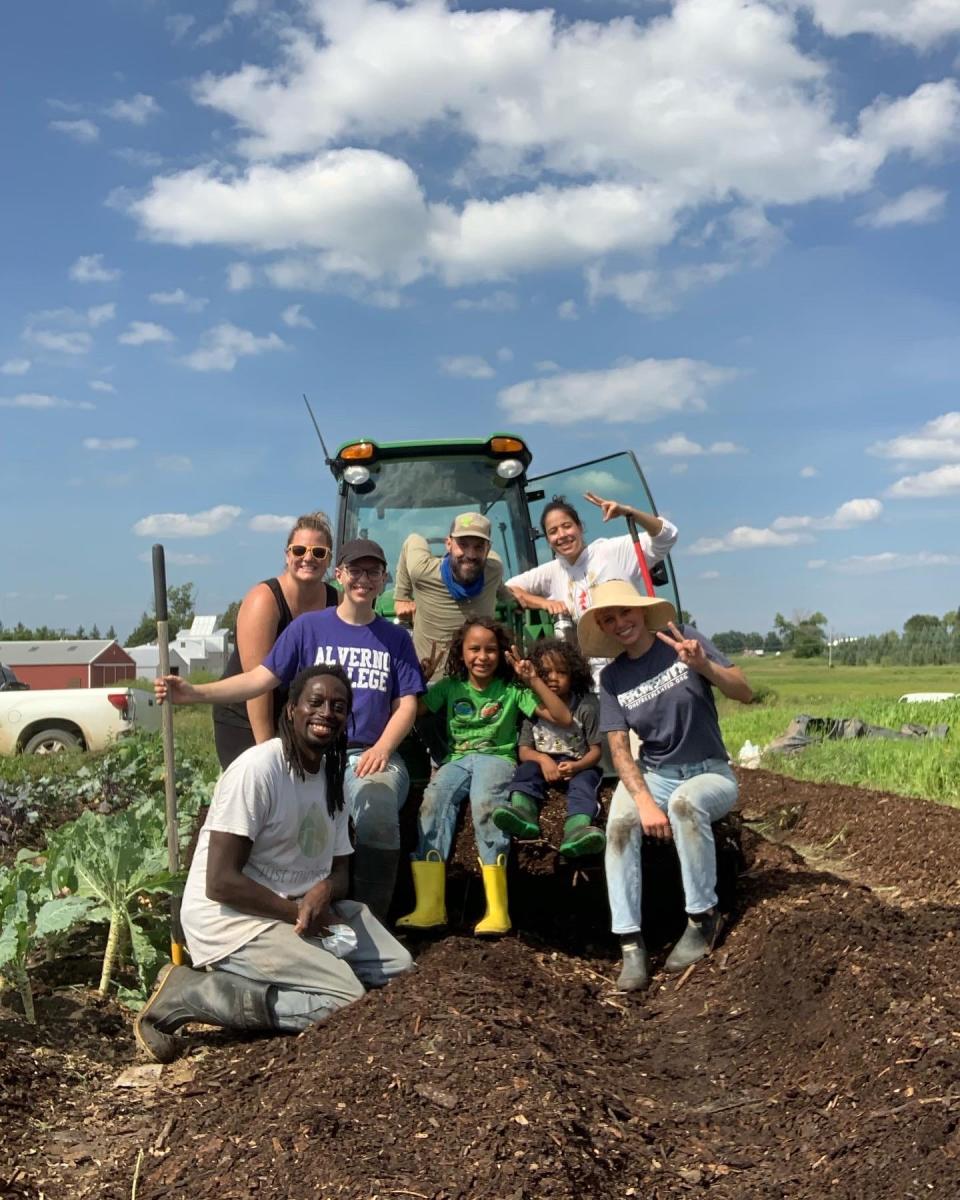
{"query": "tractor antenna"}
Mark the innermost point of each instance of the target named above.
(326, 455)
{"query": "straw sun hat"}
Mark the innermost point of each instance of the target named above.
(594, 643)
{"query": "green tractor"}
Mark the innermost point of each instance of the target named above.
(388, 490)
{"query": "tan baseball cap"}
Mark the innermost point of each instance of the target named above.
(470, 524)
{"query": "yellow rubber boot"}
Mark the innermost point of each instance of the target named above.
(496, 919)
(430, 888)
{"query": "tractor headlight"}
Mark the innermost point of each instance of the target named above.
(510, 468)
(356, 476)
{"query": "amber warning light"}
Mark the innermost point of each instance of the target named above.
(358, 452)
(506, 445)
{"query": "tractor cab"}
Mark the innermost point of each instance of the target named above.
(388, 490)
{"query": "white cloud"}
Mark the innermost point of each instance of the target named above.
(621, 133)
(180, 299)
(270, 523)
(631, 391)
(918, 23)
(100, 313)
(142, 333)
(873, 564)
(919, 206)
(808, 472)
(679, 468)
(655, 292)
(604, 483)
(102, 385)
(504, 354)
(38, 400)
(137, 110)
(89, 268)
(680, 446)
(82, 130)
(709, 575)
(816, 564)
(15, 366)
(117, 443)
(295, 318)
(746, 537)
(567, 310)
(466, 366)
(921, 125)
(60, 341)
(177, 463)
(178, 25)
(239, 277)
(846, 516)
(546, 366)
(224, 344)
(499, 301)
(943, 481)
(200, 524)
(939, 440)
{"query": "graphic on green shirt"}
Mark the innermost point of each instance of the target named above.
(482, 722)
(312, 834)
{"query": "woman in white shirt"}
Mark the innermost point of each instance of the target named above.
(563, 585)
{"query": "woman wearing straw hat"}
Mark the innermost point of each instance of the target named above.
(660, 686)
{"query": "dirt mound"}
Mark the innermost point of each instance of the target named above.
(817, 1052)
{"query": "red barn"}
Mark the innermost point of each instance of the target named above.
(66, 664)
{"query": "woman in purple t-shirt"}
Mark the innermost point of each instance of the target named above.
(660, 686)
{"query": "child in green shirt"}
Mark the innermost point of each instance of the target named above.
(487, 692)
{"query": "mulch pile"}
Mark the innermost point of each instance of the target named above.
(816, 1053)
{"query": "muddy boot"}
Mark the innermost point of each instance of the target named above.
(519, 818)
(580, 837)
(210, 997)
(635, 970)
(496, 919)
(430, 889)
(374, 878)
(698, 940)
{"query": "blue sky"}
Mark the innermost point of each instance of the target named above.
(723, 234)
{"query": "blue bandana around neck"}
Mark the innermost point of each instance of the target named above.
(459, 591)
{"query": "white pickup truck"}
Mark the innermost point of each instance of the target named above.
(48, 721)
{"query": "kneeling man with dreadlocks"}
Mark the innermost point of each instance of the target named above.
(268, 880)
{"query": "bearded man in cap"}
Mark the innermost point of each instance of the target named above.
(439, 593)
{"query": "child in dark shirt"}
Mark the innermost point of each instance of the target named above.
(551, 756)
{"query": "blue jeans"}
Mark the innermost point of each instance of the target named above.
(375, 802)
(486, 779)
(693, 796)
(582, 789)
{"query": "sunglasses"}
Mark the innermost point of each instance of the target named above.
(321, 553)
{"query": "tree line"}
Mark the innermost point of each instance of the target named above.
(181, 609)
(924, 639)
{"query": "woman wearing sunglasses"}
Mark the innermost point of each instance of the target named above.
(267, 609)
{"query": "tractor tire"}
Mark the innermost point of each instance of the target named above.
(52, 741)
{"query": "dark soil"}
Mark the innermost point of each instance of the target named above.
(817, 1053)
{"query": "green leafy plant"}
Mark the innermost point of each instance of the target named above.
(117, 862)
(29, 913)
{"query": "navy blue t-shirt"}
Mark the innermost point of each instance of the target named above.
(378, 658)
(668, 705)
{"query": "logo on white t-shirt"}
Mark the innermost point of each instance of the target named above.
(672, 677)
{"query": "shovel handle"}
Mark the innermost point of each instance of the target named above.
(641, 557)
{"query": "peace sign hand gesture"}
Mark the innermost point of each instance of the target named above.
(430, 662)
(523, 667)
(689, 650)
(609, 508)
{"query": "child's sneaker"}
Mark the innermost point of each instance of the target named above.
(519, 818)
(581, 838)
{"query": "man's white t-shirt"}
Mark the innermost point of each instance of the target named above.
(295, 841)
(604, 559)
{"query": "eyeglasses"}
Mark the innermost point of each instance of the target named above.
(355, 574)
(321, 553)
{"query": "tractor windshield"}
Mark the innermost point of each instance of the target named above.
(405, 496)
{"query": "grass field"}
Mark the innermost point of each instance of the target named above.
(789, 687)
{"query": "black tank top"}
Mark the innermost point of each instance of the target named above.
(236, 714)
